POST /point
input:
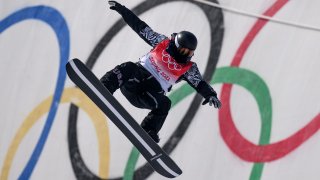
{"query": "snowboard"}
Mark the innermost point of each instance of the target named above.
(84, 78)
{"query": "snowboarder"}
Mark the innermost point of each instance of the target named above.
(146, 82)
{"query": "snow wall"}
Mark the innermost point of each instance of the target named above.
(266, 72)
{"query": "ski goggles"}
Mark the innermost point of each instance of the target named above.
(186, 52)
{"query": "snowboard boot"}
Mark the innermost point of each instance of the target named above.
(154, 136)
(151, 132)
(110, 83)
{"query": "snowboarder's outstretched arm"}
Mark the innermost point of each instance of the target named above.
(139, 26)
(194, 78)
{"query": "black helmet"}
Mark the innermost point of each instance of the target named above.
(185, 39)
(182, 46)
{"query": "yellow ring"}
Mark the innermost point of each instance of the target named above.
(77, 97)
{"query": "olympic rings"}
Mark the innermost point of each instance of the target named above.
(264, 136)
(172, 65)
(77, 97)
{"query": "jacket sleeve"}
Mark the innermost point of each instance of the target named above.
(140, 27)
(194, 79)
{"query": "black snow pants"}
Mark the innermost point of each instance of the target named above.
(142, 90)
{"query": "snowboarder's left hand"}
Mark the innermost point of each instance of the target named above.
(212, 100)
(114, 5)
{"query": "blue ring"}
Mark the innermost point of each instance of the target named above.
(57, 22)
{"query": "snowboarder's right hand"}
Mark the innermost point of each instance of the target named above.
(212, 100)
(114, 5)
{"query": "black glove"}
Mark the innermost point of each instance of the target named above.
(212, 100)
(114, 5)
